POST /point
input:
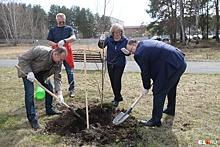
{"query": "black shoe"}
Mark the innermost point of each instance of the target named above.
(115, 103)
(35, 124)
(168, 112)
(149, 123)
(53, 112)
(72, 94)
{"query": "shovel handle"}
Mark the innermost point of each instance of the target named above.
(39, 84)
(136, 101)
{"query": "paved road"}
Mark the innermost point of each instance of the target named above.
(192, 67)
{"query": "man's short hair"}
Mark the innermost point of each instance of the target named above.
(60, 49)
(132, 41)
(61, 15)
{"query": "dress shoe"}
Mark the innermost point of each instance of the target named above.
(53, 112)
(71, 94)
(150, 123)
(168, 112)
(35, 124)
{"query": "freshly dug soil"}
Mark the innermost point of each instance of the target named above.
(101, 130)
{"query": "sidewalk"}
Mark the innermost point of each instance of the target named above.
(192, 67)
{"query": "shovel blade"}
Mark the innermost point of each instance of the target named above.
(79, 114)
(121, 117)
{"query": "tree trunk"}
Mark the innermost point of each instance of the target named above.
(217, 20)
(182, 22)
(196, 7)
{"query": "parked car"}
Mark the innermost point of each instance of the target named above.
(189, 37)
(156, 38)
(195, 36)
(214, 36)
(165, 38)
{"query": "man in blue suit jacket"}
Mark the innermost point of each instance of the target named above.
(164, 64)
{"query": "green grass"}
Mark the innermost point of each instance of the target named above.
(197, 110)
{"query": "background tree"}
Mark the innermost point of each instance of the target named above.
(36, 17)
(182, 22)
(12, 15)
(217, 20)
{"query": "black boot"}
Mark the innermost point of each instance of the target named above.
(53, 112)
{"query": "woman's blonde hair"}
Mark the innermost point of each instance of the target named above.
(116, 27)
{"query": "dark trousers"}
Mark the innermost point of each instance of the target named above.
(170, 90)
(29, 96)
(115, 75)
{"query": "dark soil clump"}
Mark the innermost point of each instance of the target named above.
(101, 130)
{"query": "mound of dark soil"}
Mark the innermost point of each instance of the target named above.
(101, 129)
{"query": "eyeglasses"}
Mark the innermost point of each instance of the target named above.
(117, 33)
(61, 22)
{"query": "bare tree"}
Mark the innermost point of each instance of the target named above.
(13, 28)
(196, 7)
(217, 20)
(182, 22)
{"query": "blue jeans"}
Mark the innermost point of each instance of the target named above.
(168, 90)
(29, 96)
(70, 76)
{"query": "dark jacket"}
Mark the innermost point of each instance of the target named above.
(157, 61)
(59, 33)
(114, 54)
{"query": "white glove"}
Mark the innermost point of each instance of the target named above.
(61, 42)
(125, 51)
(60, 100)
(102, 38)
(145, 91)
(30, 76)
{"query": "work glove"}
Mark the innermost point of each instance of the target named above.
(145, 91)
(60, 99)
(55, 46)
(125, 51)
(30, 76)
(102, 38)
(61, 42)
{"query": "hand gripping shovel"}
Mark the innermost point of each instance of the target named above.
(53, 95)
(121, 117)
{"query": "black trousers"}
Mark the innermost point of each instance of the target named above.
(115, 75)
(169, 90)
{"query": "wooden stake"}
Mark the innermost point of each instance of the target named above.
(86, 92)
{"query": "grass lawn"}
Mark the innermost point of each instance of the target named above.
(197, 108)
(197, 112)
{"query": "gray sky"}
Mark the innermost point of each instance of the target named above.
(131, 12)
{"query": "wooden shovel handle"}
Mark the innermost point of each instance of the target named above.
(39, 84)
(136, 101)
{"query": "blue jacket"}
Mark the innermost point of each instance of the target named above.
(157, 61)
(114, 54)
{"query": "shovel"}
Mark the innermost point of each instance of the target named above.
(121, 117)
(53, 95)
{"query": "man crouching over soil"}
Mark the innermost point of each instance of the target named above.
(41, 62)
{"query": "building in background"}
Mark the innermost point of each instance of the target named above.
(135, 31)
(131, 31)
